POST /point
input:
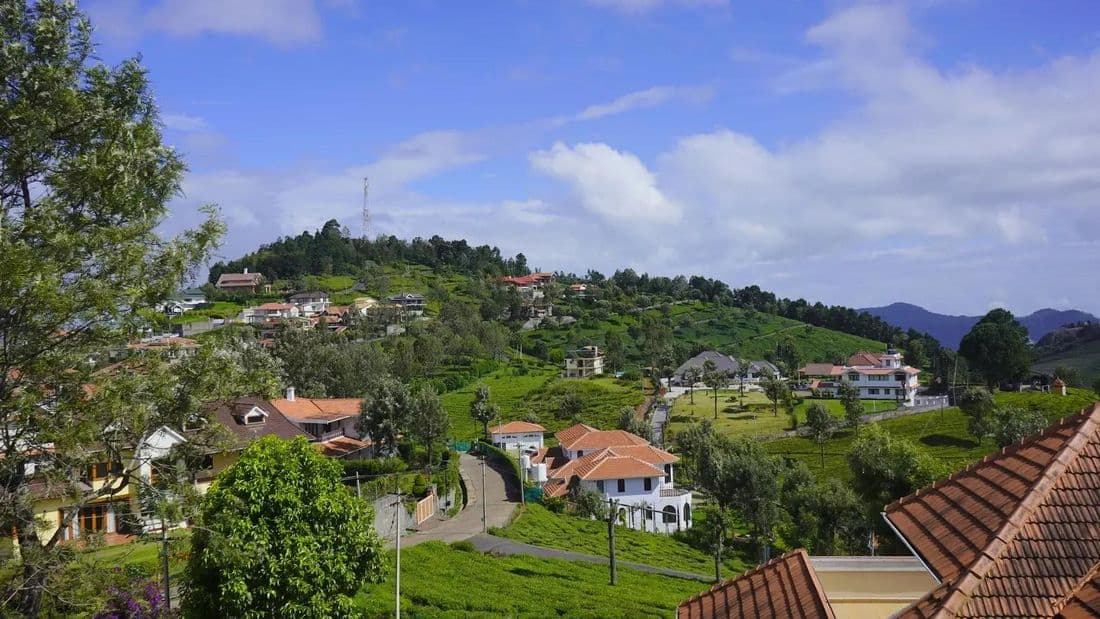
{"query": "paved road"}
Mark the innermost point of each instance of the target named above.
(500, 502)
(502, 546)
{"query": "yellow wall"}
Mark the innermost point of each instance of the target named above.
(871, 594)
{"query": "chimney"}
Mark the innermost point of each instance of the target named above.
(290, 393)
(246, 270)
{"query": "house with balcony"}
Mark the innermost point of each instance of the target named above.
(878, 376)
(584, 362)
(310, 303)
(409, 303)
(332, 423)
(624, 469)
(519, 436)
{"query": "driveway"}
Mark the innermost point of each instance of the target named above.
(500, 500)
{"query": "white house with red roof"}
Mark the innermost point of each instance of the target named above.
(522, 436)
(624, 469)
(878, 376)
(272, 311)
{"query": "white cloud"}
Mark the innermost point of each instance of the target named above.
(284, 22)
(183, 122)
(612, 184)
(636, 7)
(651, 97)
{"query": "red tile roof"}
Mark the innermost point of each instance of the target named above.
(581, 436)
(571, 433)
(318, 409)
(516, 427)
(783, 587)
(342, 446)
(271, 307)
(821, 369)
(1085, 602)
(1015, 535)
(863, 358)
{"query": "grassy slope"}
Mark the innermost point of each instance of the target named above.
(1085, 358)
(759, 421)
(540, 391)
(943, 436)
(439, 581)
(541, 527)
(731, 330)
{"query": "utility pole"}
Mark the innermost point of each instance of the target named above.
(397, 577)
(484, 508)
(523, 476)
(611, 512)
(164, 562)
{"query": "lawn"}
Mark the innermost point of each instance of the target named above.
(758, 420)
(540, 392)
(218, 309)
(541, 527)
(943, 435)
(440, 581)
(143, 553)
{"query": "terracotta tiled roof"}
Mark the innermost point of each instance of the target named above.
(1085, 602)
(591, 438)
(318, 409)
(647, 453)
(516, 427)
(820, 369)
(783, 587)
(614, 466)
(863, 358)
(1015, 535)
(342, 446)
(272, 307)
(239, 279)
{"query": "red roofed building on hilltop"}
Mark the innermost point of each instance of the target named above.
(628, 472)
(878, 376)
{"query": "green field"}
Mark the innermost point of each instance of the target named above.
(1085, 358)
(745, 333)
(440, 581)
(942, 435)
(541, 527)
(540, 392)
(758, 419)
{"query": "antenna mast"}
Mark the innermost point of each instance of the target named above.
(366, 208)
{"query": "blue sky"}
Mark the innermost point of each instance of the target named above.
(943, 153)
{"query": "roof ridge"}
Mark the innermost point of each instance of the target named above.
(1068, 420)
(1090, 576)
(972, 576)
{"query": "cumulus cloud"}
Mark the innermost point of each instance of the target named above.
(612, 184)
(284, 22)
(650, 97)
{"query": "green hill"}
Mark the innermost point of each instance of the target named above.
(1075, 346)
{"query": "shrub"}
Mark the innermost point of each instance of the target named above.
(555, 504)
(464, 545)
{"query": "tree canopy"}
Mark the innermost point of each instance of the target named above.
(997, 346)
(281, 536)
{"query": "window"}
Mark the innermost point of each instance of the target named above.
(599, 485)
(687, 514)
(648, 484)
(648, 512)
(668, 473)
(872, 391)
(621, 485)
(101, 470)
(668, 515)
(93, 518)
(853, 376)
(580, 452)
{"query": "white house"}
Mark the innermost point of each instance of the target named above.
(585, 362)
(310, 303)
(273, 311)
(878, 376)
(518, 435)
(632, 475)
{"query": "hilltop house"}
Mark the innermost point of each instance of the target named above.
(240, 282)
(584, 362)
(878, 376)
(310, 303)
(531, 293)
(1016, 534)
(623, 468)
(517, 436)
(411, 303)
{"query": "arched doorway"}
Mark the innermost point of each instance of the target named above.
(668, 515)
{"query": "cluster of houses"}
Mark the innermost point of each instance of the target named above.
(625, 470)
(328, 423)
(532, 293)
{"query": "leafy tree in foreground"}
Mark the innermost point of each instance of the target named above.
(977, 404)
(281, 536)
(819, 427)
(853, 406)
(826, 518)
(84, 183)
(998, 348)
(482, 408)
(571, 406)
(1011, 424)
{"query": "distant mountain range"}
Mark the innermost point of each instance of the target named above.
(949, 330)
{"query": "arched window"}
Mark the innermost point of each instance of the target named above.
(669, 515)
(687, 514)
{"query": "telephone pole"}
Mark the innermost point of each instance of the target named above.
(611, 513)
(484, 508)
(397, 577)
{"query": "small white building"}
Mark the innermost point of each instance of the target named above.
(584, 362)
(629, 473)
(518, 435)
(310, 303)
(272, 311)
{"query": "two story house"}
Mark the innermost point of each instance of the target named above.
(624, 469)
(330, 422)
(878, 376)
(584, 362)
(241, 282)
(310, 303)
(519, 436)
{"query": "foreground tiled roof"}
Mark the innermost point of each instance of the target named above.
(783, 587)
(318, 409)
(1015, 535)
(1085, 602)
(516, 427)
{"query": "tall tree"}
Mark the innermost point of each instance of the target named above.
(281, 536)
(386, 413)
(713, 379)
(997, 346)
(776, 391)
(819, 427)
(84, 183)
(430, 422)
(614, 354)
(482, 408)
(853, 406)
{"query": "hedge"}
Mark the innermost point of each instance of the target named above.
(499, 455)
